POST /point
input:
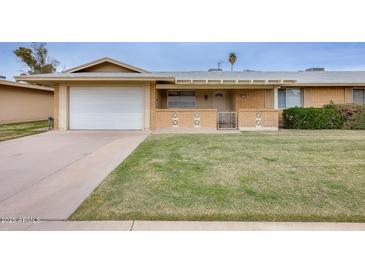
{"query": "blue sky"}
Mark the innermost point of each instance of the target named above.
(198, 56)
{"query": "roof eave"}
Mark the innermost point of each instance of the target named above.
(92, 79)
(324, 84)
(22, 85)
(240, 85)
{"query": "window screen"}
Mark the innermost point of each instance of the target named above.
(281, 99)
(181, 99)
(358, 96)
(290, 97)
(293, 98)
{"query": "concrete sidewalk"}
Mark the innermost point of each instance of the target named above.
(182, 226)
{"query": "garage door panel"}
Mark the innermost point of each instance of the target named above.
(82, 121)
(106, 108)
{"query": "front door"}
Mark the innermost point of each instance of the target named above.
(219, 100)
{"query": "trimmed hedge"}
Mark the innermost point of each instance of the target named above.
(357, 121)
(353, 115)
(312, 118)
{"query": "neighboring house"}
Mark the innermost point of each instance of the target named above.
(108, 94)
(23, 102)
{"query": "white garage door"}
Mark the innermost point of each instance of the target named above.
(106, 108)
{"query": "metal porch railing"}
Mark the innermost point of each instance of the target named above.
(227, 120)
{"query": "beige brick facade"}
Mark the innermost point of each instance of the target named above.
(261, 98)
(319, 96)
(258, 118)
(185, 118)
(246, 102)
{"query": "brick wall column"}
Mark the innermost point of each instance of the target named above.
(153, 106)
(276, 98)
(56, 107)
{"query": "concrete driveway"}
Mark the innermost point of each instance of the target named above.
(49, 175)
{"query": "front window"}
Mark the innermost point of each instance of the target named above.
(358, 96)
(180, 99)
(290, 97)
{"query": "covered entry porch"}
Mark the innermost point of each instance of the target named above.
(216, 108)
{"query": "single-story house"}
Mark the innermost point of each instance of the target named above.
(21, 102)
(108, 94)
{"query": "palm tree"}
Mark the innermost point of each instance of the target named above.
(232, 59)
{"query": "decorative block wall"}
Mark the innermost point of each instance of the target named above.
(186, 118)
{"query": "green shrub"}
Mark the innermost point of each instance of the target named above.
(346, 110)
(312, 118)
(357, 121)
(353, 115)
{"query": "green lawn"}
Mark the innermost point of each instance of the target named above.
(271, 176)
(11, 131)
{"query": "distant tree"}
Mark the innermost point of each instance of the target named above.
(232, 59)
(37, 59)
